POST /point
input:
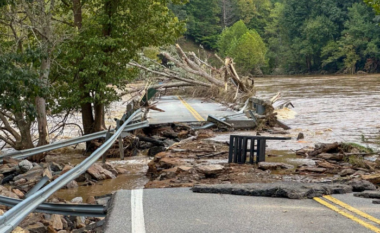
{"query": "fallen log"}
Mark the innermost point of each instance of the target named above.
(151, 140)
(325, 148)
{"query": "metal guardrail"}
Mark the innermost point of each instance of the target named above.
(14, 216)
(63, 209)
(41, 149)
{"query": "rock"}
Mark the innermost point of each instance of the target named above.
(18, 230)
(361, 185)
(169, 142)
(169, 133)
(327, 156)
(72, 184)
(36, 164)
(184, 168)
(155, 150)
(20, 181)
(47, 173)
(62, 231)
(110, 168)
(210, 169)
(18, 193)
(6, 169)
(274, 166)
(169, 173)
(56, 222)
(91, 200)
(50, 229)
(37, 227)
(325, 164)
(347, 172)
(25, 166)
(99, 173)
(121, 170)
(80, 222)
(83, 177)
(183, 134)
(368, 194)
(55, 167)
(34, 174)
(166, 163)
(2, 188)
(77, 200)
(300, 136)
(205, 133)
(11, 161)
(65, 169)
(1, 212)
(373, 178)
(311, 169)
(9, 194)
(292, 190)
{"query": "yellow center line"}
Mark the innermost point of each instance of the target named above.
(347, 215)
(191, 110)
(352, 209)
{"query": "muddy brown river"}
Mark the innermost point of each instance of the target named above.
(327, 109)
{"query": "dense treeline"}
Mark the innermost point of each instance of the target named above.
(63, 56)
(300, 36)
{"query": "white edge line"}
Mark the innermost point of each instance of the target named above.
(138, 223)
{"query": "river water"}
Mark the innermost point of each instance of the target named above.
(328, 108)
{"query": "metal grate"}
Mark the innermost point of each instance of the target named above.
(253, 145)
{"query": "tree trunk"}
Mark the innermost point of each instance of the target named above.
(99, 117)
(41, 106)
(25, 141)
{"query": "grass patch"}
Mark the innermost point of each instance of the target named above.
(349, 146)
(356, 161)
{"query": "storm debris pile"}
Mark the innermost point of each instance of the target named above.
(345, 160)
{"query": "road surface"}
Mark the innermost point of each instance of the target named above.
(181, 210)
(181, 109)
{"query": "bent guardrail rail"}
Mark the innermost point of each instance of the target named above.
(63, 209)
(41, 149)
(15, 215)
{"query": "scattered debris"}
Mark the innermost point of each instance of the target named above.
(292, 190)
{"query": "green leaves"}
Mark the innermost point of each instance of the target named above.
(245, 46)
(19, 82)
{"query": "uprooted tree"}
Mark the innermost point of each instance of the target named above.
(186, 69)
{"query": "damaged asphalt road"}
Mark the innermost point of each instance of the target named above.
(181, 210)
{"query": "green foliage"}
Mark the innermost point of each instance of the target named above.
(245, 46)
(231, 35)
(19, 82)
(94, 60)
(375, 4)
(248, 51)
(203, 22)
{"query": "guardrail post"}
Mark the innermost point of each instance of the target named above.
(108, 136)
(121, 147)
